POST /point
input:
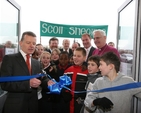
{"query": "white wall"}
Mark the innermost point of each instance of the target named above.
(75, 12)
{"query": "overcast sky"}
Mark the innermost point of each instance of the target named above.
(74, 12)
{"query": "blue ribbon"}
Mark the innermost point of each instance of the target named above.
(57, 87)
(19, 78)
(121, 87)
(65, 80)
(115, 88)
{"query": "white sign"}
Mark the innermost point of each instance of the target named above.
(9, 51)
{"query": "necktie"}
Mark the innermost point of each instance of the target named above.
(28, 62)
(87, 51)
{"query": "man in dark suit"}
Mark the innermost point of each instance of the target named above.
(22, 95)
(1, 54)
(86, 40)
(66, 45)
(53, 43)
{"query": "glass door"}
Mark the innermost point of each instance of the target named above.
(126, 38)
(9, 33)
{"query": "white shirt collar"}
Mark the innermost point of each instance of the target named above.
(23, 54)
(47, 66)
(65, 50)
(88, 49)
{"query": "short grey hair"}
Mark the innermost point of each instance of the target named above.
(102, 32)
(66, 40)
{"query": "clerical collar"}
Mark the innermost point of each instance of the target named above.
(100, 49)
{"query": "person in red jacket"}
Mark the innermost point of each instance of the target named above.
(78, 73)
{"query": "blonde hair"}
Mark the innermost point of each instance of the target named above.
(52, 66)
(57, 51)
(45, 52)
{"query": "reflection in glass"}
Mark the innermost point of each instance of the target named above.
(126, 38)
(8, 30)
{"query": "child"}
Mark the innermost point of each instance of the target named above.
(64, 62)
(65, 94)
(78, 73)
(94, 73)
(114, 101)
(55, 56)
(48, 101)
(93, 69)
(71, 60)
(35, 54)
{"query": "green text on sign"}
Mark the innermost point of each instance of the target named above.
(70, 31)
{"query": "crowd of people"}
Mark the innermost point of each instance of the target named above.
(88, 67)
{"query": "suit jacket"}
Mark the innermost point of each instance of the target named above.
(90, 52)
(70, 51)
(1, 54)
(21, 98)
(48, 50)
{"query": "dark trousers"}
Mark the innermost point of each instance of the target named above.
(46, 106)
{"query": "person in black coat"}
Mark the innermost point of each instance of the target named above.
(48, 102)
(64, 63)
(86, 40)
(52, 103)
(66, 45)
(22, 95)
(53, 43)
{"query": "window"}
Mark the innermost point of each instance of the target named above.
(9, 28)
(126, 37)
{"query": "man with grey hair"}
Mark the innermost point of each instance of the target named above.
(74, 46)
(100, 41)
(66, 45)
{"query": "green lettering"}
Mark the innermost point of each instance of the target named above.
(55, 29)
(89, 31)
(73, 31)
(44, 30)
(77, 31)
(50, 29)
(60, 30)
(83, 30)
